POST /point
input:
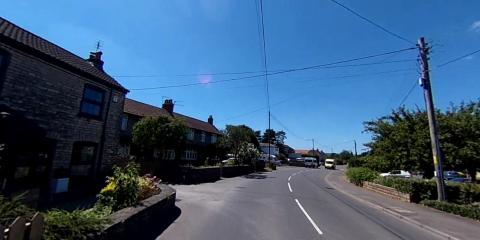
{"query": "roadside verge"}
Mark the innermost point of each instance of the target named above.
(452, 226)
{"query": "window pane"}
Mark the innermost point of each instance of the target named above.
(93, 95)
(124, 122)
(83, 153)
(91, 109)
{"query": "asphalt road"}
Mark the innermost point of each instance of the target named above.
(290, 203)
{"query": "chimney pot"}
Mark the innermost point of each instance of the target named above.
(168, 105)
(210, 120)
(95, 59)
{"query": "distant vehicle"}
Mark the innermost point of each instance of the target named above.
(278, 162)
(330, 164)
(310, 162)
(229, 161)
(397, 173)
(453, 176)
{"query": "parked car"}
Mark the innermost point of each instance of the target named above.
(310, 162)
(330, 164)
(229, 161)
(397, 173)
(278, 162)
(453, 176)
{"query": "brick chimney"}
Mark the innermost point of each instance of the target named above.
(168, 105)
(95, 59)
(210, 120)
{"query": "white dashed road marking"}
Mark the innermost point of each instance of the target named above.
(309, 218)
(289, 187)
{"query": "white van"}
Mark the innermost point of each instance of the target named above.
(330, 163)
(310, 162)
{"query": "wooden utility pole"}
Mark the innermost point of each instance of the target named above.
(355, 145)
(432, 122)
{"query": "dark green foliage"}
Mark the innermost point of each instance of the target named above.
(419, 190)
(11, 209)
(358, 175)
(122, 188)
(470, 211)
(401, 140)
(159, 133)
(61, 224)
(236, 136)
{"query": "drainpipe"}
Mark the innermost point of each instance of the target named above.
(102, 138)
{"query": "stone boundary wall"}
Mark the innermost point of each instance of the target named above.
(388, 191)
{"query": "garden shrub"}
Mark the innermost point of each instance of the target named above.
(460, 193)
(358, 175)
(122, 188)
(148, 187)
(470, 211)
(11, 209)
(79, 224)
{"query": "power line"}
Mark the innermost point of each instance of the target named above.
(458, 58)
(185, 75)
(408, 93)
(256, 72)
(299, 94)
(286, 128)
(276, 73)
(372, 22)
(265, 58)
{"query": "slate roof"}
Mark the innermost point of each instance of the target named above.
(145, 110)
(18, 37)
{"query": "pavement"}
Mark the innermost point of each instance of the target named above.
(300, 203)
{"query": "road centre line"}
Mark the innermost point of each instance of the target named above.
(289, 187)
(289, 178)
(308, 217)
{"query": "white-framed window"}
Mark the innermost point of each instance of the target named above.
(124, 122)
(202, 137)
(214, 138)
(190, 155)
(190, 134)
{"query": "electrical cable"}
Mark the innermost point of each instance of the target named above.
(458, 58)
(372, 22)
(275, 73)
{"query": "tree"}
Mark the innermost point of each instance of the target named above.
(280, 137)
(402, 140)
(248, 153)
(235, 136)
(159, 133)
(269, 136)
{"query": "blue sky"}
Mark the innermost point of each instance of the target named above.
(169, 38)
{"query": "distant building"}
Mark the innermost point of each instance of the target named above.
(273, 149)
(60, 115)
(305, 152)
(201, 135)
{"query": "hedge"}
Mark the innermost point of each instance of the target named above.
(419, 190)
(358, 175)
(470, 211)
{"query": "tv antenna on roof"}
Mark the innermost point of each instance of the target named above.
(98, 46)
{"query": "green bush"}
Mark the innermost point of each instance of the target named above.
(358, 175)
(122, 188)
(460, 193)
(11, 209)
(470, 211)
(61, 224)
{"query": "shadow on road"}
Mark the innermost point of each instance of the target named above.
(258, 175)
(154, 229)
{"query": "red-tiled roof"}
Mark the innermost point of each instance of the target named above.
(18, 37)
(145, 110)
(302, 151)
